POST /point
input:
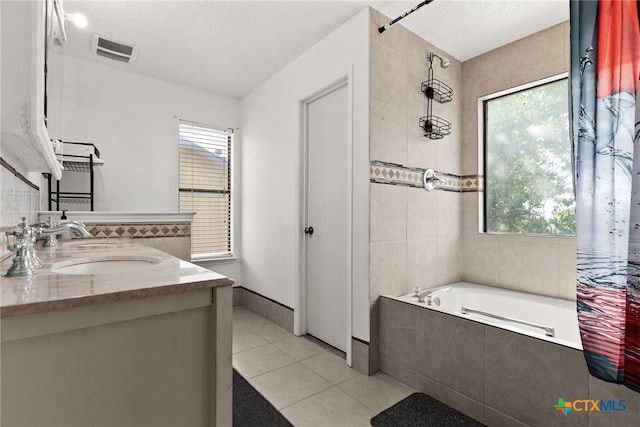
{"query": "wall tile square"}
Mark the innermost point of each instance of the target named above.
(388, 209)
(458, 401)
(449, 260)
(526, 377)
(601, 390)
(398, 335)
(529, 263)
(449, 214)
(422, 264)
(388, 75)
(422, 214)
(452, 352)
(388, 133)
(567, 267)
(388, 269)
(395, 37)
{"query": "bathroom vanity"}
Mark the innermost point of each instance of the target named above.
(109, 332)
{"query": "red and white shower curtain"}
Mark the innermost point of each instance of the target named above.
(605, 69)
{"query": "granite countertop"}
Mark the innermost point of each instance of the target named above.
(47, 290)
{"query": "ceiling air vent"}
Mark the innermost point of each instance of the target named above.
(113, 50)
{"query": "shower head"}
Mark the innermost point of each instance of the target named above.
(444, 62)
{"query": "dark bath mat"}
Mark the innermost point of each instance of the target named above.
(421, 410)
(251, 409)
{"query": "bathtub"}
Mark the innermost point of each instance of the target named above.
(549, 319)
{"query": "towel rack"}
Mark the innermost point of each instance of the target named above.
(548, 330)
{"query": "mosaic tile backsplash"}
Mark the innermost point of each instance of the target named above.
(139, 231)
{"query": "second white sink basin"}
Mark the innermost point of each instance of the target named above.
(104, 265)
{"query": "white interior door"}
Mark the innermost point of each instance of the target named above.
(327, 212)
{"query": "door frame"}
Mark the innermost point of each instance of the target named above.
(300, 315)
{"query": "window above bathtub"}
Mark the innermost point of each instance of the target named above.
(525, 158)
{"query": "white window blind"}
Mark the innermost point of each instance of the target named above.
(205, 188)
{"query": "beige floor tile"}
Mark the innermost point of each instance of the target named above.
(259, 360)
(269, 331)
(299, 348)
(331, 367)
(378, 391)
(245, 339)
(303, 390)
(330, 408)
(242, 315)
(286, 386)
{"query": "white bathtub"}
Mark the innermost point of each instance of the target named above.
(545, 318)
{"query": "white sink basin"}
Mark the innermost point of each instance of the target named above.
(106, 265)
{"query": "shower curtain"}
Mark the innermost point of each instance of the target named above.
(605, 68)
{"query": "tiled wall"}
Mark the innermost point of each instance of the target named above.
(17, 198)
(414, 234)
(498, 377)
(539, 265)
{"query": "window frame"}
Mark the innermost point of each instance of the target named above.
(482, 151)
(215, 256)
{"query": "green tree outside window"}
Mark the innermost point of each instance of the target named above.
(528, 175)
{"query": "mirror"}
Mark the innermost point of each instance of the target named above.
(131, 111)
(25, 137)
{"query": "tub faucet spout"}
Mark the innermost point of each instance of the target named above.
(420, 293)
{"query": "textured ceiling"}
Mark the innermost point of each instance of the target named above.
(231, 47)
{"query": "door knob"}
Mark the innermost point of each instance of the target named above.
(308, 230)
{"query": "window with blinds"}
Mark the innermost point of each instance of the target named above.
(205, 188)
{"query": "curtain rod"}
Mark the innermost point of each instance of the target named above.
(386, 27)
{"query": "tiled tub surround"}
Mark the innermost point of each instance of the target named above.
(499, 377)
(545, 318)
(155, 344)
(543, 265)
(414, 236)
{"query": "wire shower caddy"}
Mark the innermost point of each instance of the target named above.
(435, 127)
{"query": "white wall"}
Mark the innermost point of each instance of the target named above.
(270, 154)
(133, 120)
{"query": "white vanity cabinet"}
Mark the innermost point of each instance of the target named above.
(145, 347)
(24, 132)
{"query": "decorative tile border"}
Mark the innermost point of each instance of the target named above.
(139, 231)
(408, 176)
(395, 174)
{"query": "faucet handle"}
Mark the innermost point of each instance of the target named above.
(49, 224)
(417, 290)
(20, 230)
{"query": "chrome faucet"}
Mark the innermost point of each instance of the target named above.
(430, 179)
(26, 260)
(51, 229)
(419, 293)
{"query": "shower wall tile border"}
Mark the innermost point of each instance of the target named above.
(411, 176)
